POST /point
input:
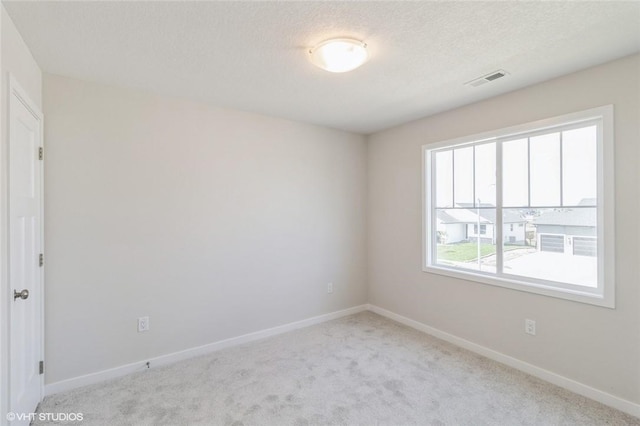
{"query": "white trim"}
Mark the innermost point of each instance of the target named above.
(512, 282)
(123, 370)
(606, 207)
(546, 375)
(15, 87)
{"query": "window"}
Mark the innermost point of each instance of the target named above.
(541, 195)
(483, 229)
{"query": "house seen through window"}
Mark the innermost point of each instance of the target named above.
(522, 207)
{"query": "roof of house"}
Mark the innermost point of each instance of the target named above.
(568, 217)
(588, 202)
(486, 212)
(459, 216)
(508, 216)
(468, 213)
(571, 216)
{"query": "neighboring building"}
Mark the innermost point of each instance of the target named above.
(570, 231)
(453, 224)
(464, 224)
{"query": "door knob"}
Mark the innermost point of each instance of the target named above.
(24, 294)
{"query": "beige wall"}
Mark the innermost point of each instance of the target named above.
(15, 58)
(597, 346)
(213, 222)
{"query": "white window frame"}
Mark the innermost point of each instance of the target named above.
(604, 293)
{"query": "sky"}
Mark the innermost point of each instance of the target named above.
(561, 171)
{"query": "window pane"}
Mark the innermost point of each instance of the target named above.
(444, 179)
(544, 157)
(459, 241)
(515, 174)
(579, 166)
(554, 245)
(463, 175)
(486, 174)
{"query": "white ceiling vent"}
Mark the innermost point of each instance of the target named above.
(487, 78)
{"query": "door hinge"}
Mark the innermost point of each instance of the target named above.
(40, 153)
(41, 260)
(41, 367)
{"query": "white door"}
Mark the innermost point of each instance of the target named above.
(25, 246)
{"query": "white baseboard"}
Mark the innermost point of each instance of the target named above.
(123, 370)
(564, 382)
(548, 376)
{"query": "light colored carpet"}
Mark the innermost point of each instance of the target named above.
(359, 370)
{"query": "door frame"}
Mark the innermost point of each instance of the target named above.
(14, 88)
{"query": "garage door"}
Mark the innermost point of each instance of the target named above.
(585, 246)
(553, 243)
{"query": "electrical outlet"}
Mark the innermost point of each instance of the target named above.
(143, 324)
(530, 327)
(330, 288)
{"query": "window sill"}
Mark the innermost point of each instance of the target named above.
(586, 296)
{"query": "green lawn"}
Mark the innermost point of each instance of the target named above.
(463, 252)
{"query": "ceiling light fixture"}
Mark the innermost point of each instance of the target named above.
(339, 54)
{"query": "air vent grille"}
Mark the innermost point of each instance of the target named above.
(495, 76)
(487, 78)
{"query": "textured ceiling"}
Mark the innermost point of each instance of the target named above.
(252, 55)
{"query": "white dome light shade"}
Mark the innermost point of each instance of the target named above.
(339, 55)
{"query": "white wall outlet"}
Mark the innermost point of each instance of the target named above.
(330, 288)
(143, 324)
(530, 327)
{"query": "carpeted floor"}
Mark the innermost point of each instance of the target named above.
(359, 370)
